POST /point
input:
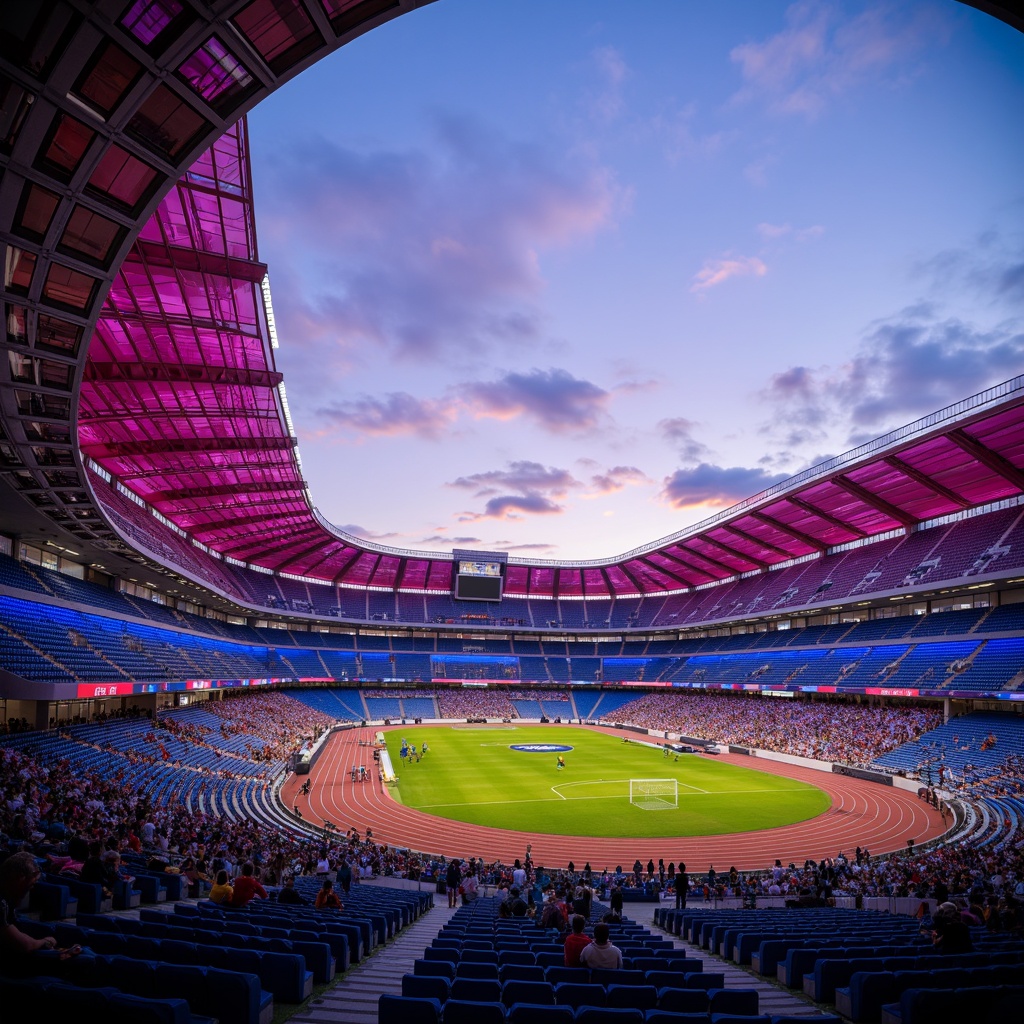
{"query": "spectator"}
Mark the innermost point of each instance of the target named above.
(17, 876)
(222, 890)
(289, 895)
(576, 941)
(246, 887)
(327, 898)
(601, 955)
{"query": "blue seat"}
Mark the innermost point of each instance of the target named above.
(670, 1017)
(609, 1015)
(407, 1010)
(683, 1000)
(476, 990)
(563, 973)
(434, 968)
(451, 956)
(518, 972)
(575, 994)
(522, 957)
(424, 986)
(469, 969)
(478, 956)
(459, 1011)
(736, 1001)
(706, 981)
(532, 1013)
(538, 992)
(642, 997)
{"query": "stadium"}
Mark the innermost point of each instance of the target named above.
(197, 667)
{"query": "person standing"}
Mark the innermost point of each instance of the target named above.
(682, 885)
(452, 880)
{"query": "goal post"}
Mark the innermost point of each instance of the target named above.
(654, 794)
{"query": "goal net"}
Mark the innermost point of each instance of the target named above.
(654, 794)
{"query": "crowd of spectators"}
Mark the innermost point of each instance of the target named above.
(72, 819)
(852, 734)
(465, 702)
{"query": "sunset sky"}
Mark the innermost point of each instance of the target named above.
(560, 277)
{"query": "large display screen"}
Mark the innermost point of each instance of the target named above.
(477, 588)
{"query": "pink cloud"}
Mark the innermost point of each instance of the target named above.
(718, 271)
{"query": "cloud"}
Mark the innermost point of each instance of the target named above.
(607, 103)
(718, 271)
(366, 534)
(707, 484)
(514, 506)
(820, 55)
(427, 252)
(678, 431)
(555, 399)
(536, 487)
(397, 414)
(906, 366)
(616, 478)
(993, 268)
(911, 365)
(772, 232)
(440, 538)
(523, 476)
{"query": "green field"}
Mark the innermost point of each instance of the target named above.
(470, 774)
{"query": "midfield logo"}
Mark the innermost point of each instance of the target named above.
(540, 748)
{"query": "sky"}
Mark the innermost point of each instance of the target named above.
(562, 277)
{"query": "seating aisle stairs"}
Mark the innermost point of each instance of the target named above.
(354, 999)
(773, 999)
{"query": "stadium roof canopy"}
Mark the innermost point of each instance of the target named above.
(140, 333)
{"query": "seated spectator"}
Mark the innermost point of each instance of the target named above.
(950, 935)
(576, 941)
(327, 898)
(601, 955)
(246, 887)
(222, 890)
(17, 876)
(289, 895)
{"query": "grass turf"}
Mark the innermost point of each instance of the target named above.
(470, 774)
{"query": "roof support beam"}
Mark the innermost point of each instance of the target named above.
(823, 515)
(874, 501)
(729, 570)
(339, 576)
(186, 373)
(204, 262)
(993, 460)
(751, 539)
(926, 481)
(796, 534)
(734, 552)
(667, 572)
(726, 569)
(227, 490)
(177, 445)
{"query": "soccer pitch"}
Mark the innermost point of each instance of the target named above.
(471, 774)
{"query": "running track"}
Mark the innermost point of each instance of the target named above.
(881, 818)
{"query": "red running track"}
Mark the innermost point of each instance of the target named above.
(866, 814)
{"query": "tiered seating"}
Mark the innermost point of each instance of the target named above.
(856, 960)
(482, 968)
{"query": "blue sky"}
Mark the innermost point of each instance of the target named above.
(560, 277)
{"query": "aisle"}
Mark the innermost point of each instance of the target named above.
(354, 999)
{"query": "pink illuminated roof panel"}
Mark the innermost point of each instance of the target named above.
(180, 402)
